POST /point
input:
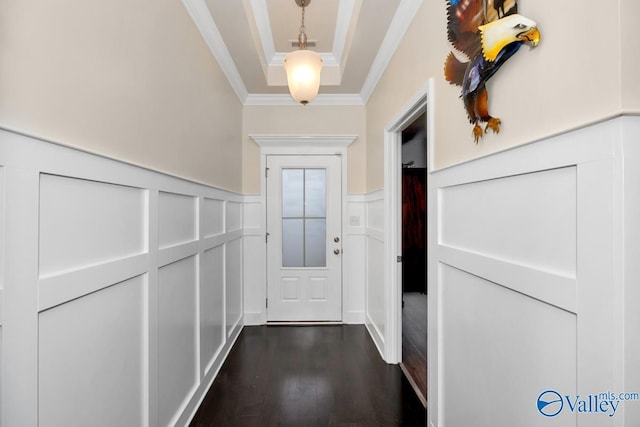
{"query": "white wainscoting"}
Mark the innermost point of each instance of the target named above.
(375, 301)
(122, 288)
(630, 269)
(354, 260)
(255, 264)
(532, 263)
(1, 280)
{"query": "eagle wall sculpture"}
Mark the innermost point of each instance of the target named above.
(488, 33)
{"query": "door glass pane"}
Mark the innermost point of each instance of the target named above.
(292, 242)
(304, 210)
(292, 193)
(315, 194)
(315, 242)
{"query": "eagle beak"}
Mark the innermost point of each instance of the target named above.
(532, 36)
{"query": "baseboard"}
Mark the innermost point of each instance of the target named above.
(377, 338)
(196, 400)
(254, 319)
(353, 318)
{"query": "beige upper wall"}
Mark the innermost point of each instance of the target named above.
(129, 80)
(630, 56)
(571, 79)
(308, 120)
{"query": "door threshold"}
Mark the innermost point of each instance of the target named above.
(303, 323)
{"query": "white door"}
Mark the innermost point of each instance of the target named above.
(304, 241)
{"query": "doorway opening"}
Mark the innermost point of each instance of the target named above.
(296, 146)
(414, 254)
(304, 238)
(418, 111)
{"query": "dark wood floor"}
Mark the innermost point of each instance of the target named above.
(414, 340)
(308, 376)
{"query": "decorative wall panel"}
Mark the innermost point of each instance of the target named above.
(176, 218)
(2, 244)
(177, 336)
(376, 315)
(1, 381)
(211, 305)
(85, 222)
(254, 268)
(233, 292)
(354, 261)
(234, 216)
(91, 359)
(496, 341)
(528, 219)
(213, 218)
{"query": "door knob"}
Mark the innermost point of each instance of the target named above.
(336, 251)
(336, 239)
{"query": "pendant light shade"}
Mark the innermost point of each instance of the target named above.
(303, 74)
(303, 67)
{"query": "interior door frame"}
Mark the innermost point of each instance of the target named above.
(302, 145)
(421, 101)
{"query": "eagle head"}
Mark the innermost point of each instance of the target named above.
(512, 28)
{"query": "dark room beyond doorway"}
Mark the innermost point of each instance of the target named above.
(414, 255)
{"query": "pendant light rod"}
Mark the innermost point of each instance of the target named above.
(302, 36)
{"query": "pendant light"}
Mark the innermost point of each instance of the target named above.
(303, 67)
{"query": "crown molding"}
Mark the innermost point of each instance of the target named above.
(263, 26)
(399, 25)
(286, 100)
(201, 16)
(348, 11)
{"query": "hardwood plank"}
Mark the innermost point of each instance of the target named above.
(308, 376)
(414, 341)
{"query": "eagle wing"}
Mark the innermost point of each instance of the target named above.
(465, 16)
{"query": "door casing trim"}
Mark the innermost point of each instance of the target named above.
(421, 101)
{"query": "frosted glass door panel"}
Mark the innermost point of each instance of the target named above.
(292, 193)
(315, 232)
(304, 211)
(292, 242)
(315, 195)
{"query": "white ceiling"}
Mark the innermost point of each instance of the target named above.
(250, 38)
